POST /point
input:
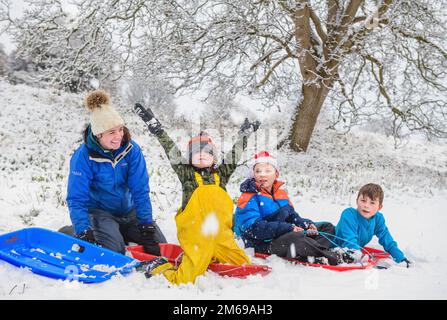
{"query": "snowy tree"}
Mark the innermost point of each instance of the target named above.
(3, 61)
(72, 54)
(383, 60)
(18, 64)
(223, 112)
(151, 92)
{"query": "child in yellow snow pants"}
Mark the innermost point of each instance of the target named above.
(204, 232)
(204, 223)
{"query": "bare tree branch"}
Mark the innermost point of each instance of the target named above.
(301, 18)
(272, 69)
(318, 26)
(371, 57)
(422, 39)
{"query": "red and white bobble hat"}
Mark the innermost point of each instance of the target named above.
(263, 157)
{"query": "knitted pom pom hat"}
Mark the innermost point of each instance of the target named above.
(103, 116)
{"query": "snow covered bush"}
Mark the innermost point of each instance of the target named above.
(3, 62)
(57, 48)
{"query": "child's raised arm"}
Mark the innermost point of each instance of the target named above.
(173, 153)
(231, 159)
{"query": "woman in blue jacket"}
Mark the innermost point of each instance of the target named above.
(108, 184)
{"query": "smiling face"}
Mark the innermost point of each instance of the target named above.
(202, 159)
(368, 207)
(265, 175)
(112, 138)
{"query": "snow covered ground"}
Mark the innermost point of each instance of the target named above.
(40, 128)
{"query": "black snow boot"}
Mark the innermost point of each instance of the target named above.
(148, 267)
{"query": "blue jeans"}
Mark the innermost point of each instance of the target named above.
(114, 232)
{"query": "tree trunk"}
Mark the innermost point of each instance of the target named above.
(306, 116)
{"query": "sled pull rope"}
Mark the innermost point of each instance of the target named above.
(327, 238)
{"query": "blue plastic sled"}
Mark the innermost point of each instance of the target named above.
(56, 255)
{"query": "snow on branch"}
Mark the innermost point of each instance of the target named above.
(274, 49)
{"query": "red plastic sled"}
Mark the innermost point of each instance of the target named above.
(375, 255)
(174, 253)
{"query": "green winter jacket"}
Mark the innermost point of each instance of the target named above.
(185, 171)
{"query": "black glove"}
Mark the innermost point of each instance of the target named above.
(148, 117)
(407, 262)
(88, 236)
(147, 239)
(249, 127)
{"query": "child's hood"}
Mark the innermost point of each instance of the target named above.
(250, 186)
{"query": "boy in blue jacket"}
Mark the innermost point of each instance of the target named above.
(357, 226)
(266, 220)
(108, 184)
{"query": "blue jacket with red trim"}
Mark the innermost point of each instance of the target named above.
(261, 216)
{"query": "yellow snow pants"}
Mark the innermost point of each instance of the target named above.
(204, 230)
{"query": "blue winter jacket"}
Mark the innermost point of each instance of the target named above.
(356, 231)
(261, 217)
(116, 182)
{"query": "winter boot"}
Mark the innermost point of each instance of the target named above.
(348, 256)
(356, 256)
(154, 266)
(318, 260)
(344, 255)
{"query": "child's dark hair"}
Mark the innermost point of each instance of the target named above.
(372, 191)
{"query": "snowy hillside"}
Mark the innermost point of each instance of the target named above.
(40, 128)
